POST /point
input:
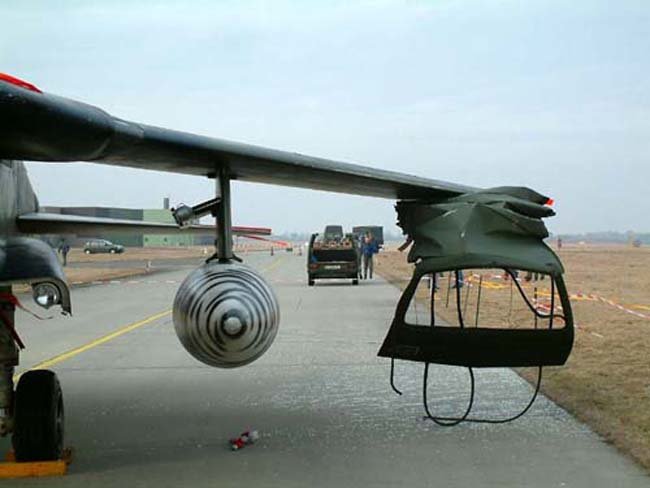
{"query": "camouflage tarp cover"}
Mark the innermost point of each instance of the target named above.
(493, 228)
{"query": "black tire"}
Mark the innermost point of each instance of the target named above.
(39, 417)
(113, 251)
(355, 281)
(87, 251)
(310, 282)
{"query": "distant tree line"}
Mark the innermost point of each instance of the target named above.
(605, 237)
(304, 236)
(609, 237)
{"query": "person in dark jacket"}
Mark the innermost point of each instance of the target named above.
(370, 248)
(359, 242)
(64, 249)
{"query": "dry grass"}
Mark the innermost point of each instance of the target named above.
(139, 253)
(606, 382)
(143, 253)
(77, 276)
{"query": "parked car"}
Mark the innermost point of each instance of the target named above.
(102, 245)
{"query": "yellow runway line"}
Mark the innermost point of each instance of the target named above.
(124, 330)
(274, 264)
(97, 342)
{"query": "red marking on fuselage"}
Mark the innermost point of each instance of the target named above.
(18, 82)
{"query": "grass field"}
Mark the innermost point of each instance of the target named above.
(88, 274)
(136, 253)
(606, 382)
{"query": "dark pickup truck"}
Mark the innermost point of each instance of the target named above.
(332, 259)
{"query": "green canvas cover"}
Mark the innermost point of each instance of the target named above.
(494, 228)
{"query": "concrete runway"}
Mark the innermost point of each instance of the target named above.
(142, 412)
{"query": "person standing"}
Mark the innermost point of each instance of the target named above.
(370, 248)
(359, 244)
(65, 249)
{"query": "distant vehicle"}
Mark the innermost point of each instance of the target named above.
(377, 232)
(332, 255)
(102, 245)
(333, 233)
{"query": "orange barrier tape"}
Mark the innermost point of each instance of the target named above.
(545, 292)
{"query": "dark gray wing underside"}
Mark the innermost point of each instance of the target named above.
(43, 127)
(46, 223)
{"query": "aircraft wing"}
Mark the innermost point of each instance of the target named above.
(50, 223)
(41, 127)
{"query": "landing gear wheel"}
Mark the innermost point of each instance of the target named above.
(39, 418)
(355, 281)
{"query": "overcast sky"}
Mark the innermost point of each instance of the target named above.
(551, 95)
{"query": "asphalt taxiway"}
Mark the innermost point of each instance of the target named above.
(142, 412)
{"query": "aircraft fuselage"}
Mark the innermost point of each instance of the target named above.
(16, 196)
